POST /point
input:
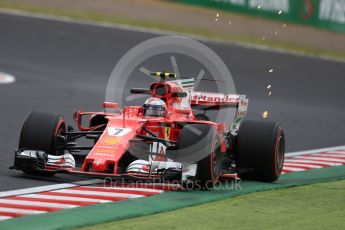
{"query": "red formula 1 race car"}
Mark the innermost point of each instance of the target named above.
(163, 140)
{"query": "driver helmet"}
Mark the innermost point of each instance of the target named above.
(154, 107)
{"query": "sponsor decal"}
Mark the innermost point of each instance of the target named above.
(107, 146)
(242, 108)
(111, 140)
(233, 2)
(98, 162)
(332, 10)
(306, 9)
(266, 5)
(118, 132)
(209, 98)
(270, 5)
(101, 150)
(167, 133)
(103, 154)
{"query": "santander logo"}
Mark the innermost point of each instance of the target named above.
(216, 98)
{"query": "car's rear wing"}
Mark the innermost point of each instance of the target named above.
(214, 101)
(210, 100)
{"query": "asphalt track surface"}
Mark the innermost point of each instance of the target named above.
(63, 66)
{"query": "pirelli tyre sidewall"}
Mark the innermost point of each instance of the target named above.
(208, 168)
(260, 150)
(39, 132)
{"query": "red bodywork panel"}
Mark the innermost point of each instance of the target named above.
(114, 141)
(112, 144)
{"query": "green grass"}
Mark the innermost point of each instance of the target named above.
(196, 31)
(317, 206)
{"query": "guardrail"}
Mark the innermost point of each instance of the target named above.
(327, 14)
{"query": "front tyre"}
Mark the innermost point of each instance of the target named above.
(45, 132)
(209, 168)
(202, 140)
(260, 150)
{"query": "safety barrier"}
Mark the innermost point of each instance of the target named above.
(327, 14)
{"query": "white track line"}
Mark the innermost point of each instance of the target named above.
(292, 168)
(311, 162)
(37, 203)
(321, 159)
(129, 189)
(341, 156)
(5, 217)
(108, 194)
(21, 211)
(315, 151)
(339, 151)
(301, 164)
(62, 198)
(47, 188)
(160, 32)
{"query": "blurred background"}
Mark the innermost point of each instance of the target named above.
(311, 26)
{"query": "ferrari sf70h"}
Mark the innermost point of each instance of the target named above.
(166, 139)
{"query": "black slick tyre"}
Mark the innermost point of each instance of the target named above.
(45, 132)
(260, 150)
(200, 141)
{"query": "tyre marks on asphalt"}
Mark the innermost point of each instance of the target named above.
(66, 196)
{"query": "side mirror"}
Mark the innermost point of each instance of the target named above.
(140, 91)
(110, 105)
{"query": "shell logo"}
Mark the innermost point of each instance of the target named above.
(111, 141)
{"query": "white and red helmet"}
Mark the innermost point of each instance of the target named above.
(155, 107)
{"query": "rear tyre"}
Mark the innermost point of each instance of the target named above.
(45, 132)
(200, 141)
(260, 151)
